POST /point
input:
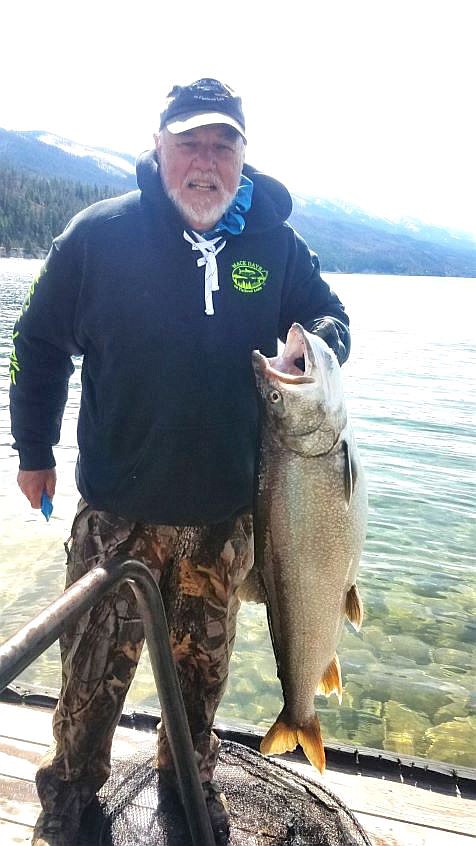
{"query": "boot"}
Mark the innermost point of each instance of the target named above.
(55, 830)
(217, 805)
(218, 811)
(63, 806)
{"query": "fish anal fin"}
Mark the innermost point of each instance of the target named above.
(310, 738)
(280, 738)
(331, 681)
(354, 607)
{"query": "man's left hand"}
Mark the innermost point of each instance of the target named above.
(327, 330)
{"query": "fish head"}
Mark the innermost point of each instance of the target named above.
(302, 393)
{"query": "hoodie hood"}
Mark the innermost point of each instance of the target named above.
(271, 206)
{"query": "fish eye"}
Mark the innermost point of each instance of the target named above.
(274, 396)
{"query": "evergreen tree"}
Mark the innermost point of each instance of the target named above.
(35, 209)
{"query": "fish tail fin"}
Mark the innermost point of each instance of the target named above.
(331, 681)
(283, 737)
(354, 607)
(280, 738)
(310, 738)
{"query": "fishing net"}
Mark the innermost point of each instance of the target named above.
(270, 806)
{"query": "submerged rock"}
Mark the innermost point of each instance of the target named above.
(455, 658)
(371, 706)
(346, 725)
(443, 631)
(414, 689)
(372, 636)
(407, 646)
(454, 742)
(242, 686)
(449, 712)
(353, 660)
(404, 729)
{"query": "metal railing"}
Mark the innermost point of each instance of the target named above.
(29, 642)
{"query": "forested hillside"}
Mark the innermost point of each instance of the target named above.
(36, 204)
(347, 244)
(34, 209)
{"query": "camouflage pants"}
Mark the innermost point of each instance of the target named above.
(199, 570)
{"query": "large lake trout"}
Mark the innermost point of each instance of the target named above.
(310, 525)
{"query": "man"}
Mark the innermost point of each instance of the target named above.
(165, 292)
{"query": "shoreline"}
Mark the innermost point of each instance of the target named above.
(40, 255)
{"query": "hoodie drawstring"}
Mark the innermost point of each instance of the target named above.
(209, 251)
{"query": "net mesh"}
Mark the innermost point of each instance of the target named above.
(270, 805)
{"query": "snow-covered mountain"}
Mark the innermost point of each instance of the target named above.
(50, 155)
(119, 164)
(347, 238)
(410, 225)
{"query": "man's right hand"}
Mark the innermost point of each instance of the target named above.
(32, 483)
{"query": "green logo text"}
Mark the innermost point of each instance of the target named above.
(248, 277)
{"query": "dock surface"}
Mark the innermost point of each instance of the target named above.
(392, 814)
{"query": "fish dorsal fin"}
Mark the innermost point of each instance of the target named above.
(354, 607)
(350, 472)
(331, 681)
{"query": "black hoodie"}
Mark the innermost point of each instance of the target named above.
(167, 427)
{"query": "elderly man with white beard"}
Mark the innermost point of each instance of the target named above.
(165, 292)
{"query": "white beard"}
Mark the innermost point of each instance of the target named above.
(200, 213)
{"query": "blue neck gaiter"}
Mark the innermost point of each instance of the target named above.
(233, 221)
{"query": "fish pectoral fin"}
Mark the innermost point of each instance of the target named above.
(331, 681)
(350, 472)
(280, 738)
(348, 480)
(354, 607)
(310, 739)
(252, 589)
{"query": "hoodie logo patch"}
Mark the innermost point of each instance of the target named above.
(248, 277)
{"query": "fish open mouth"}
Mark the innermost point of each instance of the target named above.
(294, 365)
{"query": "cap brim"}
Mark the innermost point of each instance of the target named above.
(203, 119)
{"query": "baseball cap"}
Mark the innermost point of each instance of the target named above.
(203, 102)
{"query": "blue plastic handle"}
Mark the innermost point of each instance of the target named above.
(46, 505)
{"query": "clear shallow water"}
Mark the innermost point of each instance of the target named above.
(409, 676)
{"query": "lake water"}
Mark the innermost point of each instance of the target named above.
(409, 676)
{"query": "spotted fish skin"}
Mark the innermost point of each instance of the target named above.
(310, 526)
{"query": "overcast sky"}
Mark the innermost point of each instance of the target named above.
(368, 101)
